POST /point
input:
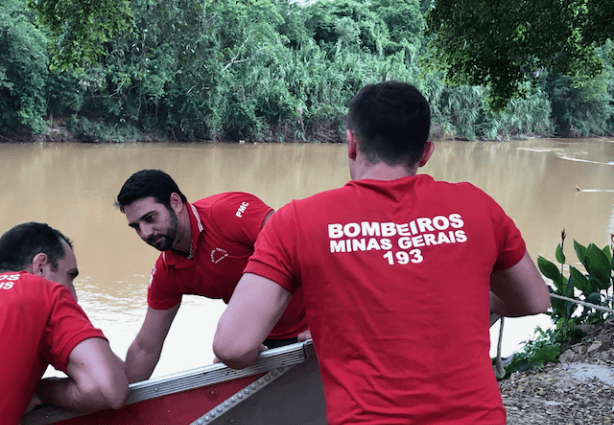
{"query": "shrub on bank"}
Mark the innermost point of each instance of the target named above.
(590, 291)
(98, 131)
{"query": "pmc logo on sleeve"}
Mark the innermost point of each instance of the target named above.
(242, 209)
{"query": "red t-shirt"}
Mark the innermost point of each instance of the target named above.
(40, 324)
(226, 226)
(395, 277)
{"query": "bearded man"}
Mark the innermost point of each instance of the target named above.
(205, 247)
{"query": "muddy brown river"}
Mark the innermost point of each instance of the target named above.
(73, 186)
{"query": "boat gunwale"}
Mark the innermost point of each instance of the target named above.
(216, 373)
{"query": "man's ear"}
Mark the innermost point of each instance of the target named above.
(176, 203)
(352, 144)
(429, 148)
(39, 262)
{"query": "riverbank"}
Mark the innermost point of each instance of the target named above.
(58, 132)
(560, 394)
(577, 391)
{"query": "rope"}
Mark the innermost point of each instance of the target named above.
(499, 370)
(596, 307)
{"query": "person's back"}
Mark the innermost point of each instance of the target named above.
(33, 315)
(396, 271)
(396, 278)
(41, 324)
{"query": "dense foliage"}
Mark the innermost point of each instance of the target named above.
(272, 70)
(505, 43)
(78, 28)
(23, 69)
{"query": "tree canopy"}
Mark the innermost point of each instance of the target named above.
(275, 70)
(502, 43)
(78, 29)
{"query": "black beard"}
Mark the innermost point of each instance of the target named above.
(167, 239)
(164, 244)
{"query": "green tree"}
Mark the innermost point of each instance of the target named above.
(404, 21)
(270, 70)
(585, 110)
(323, 17)
(79, 29)
(23, 69)
(503, 43)
(187, 67)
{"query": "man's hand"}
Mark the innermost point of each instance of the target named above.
(304, 336)
(35, 401)
(254, 308)
(493, 317)
(144, 352)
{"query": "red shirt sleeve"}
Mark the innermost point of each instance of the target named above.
(238, 216)
(161, 294)
(271, 258)
(68, 325)
(510, 244)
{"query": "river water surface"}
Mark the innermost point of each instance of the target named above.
(73, 186)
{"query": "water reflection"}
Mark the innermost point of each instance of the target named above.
(73, 187)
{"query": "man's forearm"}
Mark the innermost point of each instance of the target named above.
(64, 392)
(497, 305)
(519, 290)
(140, 363)
(500, 307)
(237, 359)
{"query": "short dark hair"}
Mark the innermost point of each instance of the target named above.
(22, 243)
(146, 183)
(392, 121)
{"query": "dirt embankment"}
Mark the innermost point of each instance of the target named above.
(577, 391)
(58, 131)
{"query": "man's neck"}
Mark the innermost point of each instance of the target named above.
(184, 233)
(383, 171)
(361, 168)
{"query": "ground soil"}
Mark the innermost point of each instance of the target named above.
(577, 391)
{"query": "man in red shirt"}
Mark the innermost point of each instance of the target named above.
(205, 246)
(41, 324)
(397, 271)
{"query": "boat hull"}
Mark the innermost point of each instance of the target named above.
(282, 387)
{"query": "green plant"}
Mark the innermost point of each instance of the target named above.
(536, 353)
(590, 287)
(99, 131)
(546, 347)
